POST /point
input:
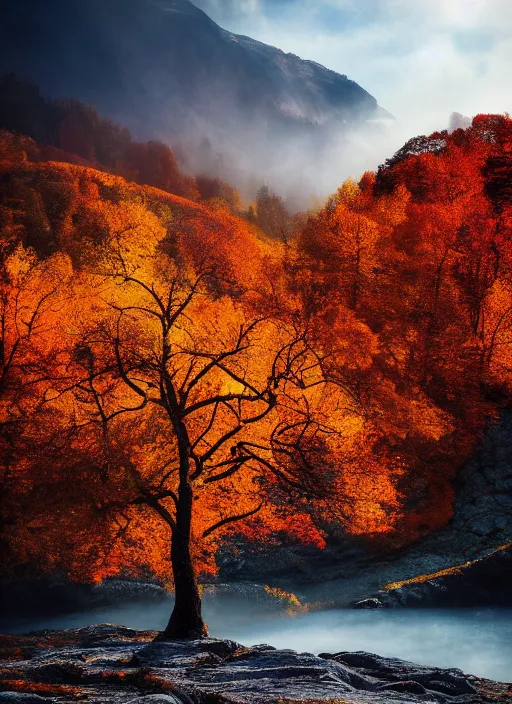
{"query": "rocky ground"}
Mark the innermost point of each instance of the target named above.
(107, 664)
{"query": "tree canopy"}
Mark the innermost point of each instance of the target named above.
(171, 374)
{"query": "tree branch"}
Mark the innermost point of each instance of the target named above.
(231, 519)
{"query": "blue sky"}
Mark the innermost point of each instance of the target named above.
(421, 59)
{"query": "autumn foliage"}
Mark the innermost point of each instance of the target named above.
(335, 379)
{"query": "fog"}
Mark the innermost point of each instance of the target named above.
(421, 60)
(478, 641)
(300, 168)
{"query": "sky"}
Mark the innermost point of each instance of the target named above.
(421, 59)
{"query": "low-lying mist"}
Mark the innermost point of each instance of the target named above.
(302, 166)
(478, 641)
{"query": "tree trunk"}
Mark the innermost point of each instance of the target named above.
(186, 620)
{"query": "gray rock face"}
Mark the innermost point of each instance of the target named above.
(483, 582)
(347, 573)
(483, 508)
(482, 521)
(107, 664)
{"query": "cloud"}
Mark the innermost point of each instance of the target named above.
(421, 60)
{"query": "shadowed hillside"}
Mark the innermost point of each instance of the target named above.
(167, 71)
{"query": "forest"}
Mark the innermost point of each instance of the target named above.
(179, 367)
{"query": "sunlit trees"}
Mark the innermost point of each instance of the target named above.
(420, 256)
(342, 239)
(30, 303)
(172, 376)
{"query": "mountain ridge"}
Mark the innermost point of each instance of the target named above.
(105, 27)
(166, 70)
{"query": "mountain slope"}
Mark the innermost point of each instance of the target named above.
(165, 69)
(58, 206)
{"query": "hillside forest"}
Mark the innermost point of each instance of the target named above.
(180, 368)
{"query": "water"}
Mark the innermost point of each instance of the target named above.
(478, 641)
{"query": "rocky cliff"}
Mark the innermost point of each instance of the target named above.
(347, 572)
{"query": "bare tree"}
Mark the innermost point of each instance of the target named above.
(225, 409)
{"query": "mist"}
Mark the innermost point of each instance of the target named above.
(436, 637)
(302, 168)
(422, 61)
(253, 116)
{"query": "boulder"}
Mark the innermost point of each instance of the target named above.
(406, 676)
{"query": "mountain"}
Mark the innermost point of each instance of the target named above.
(165, 69)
